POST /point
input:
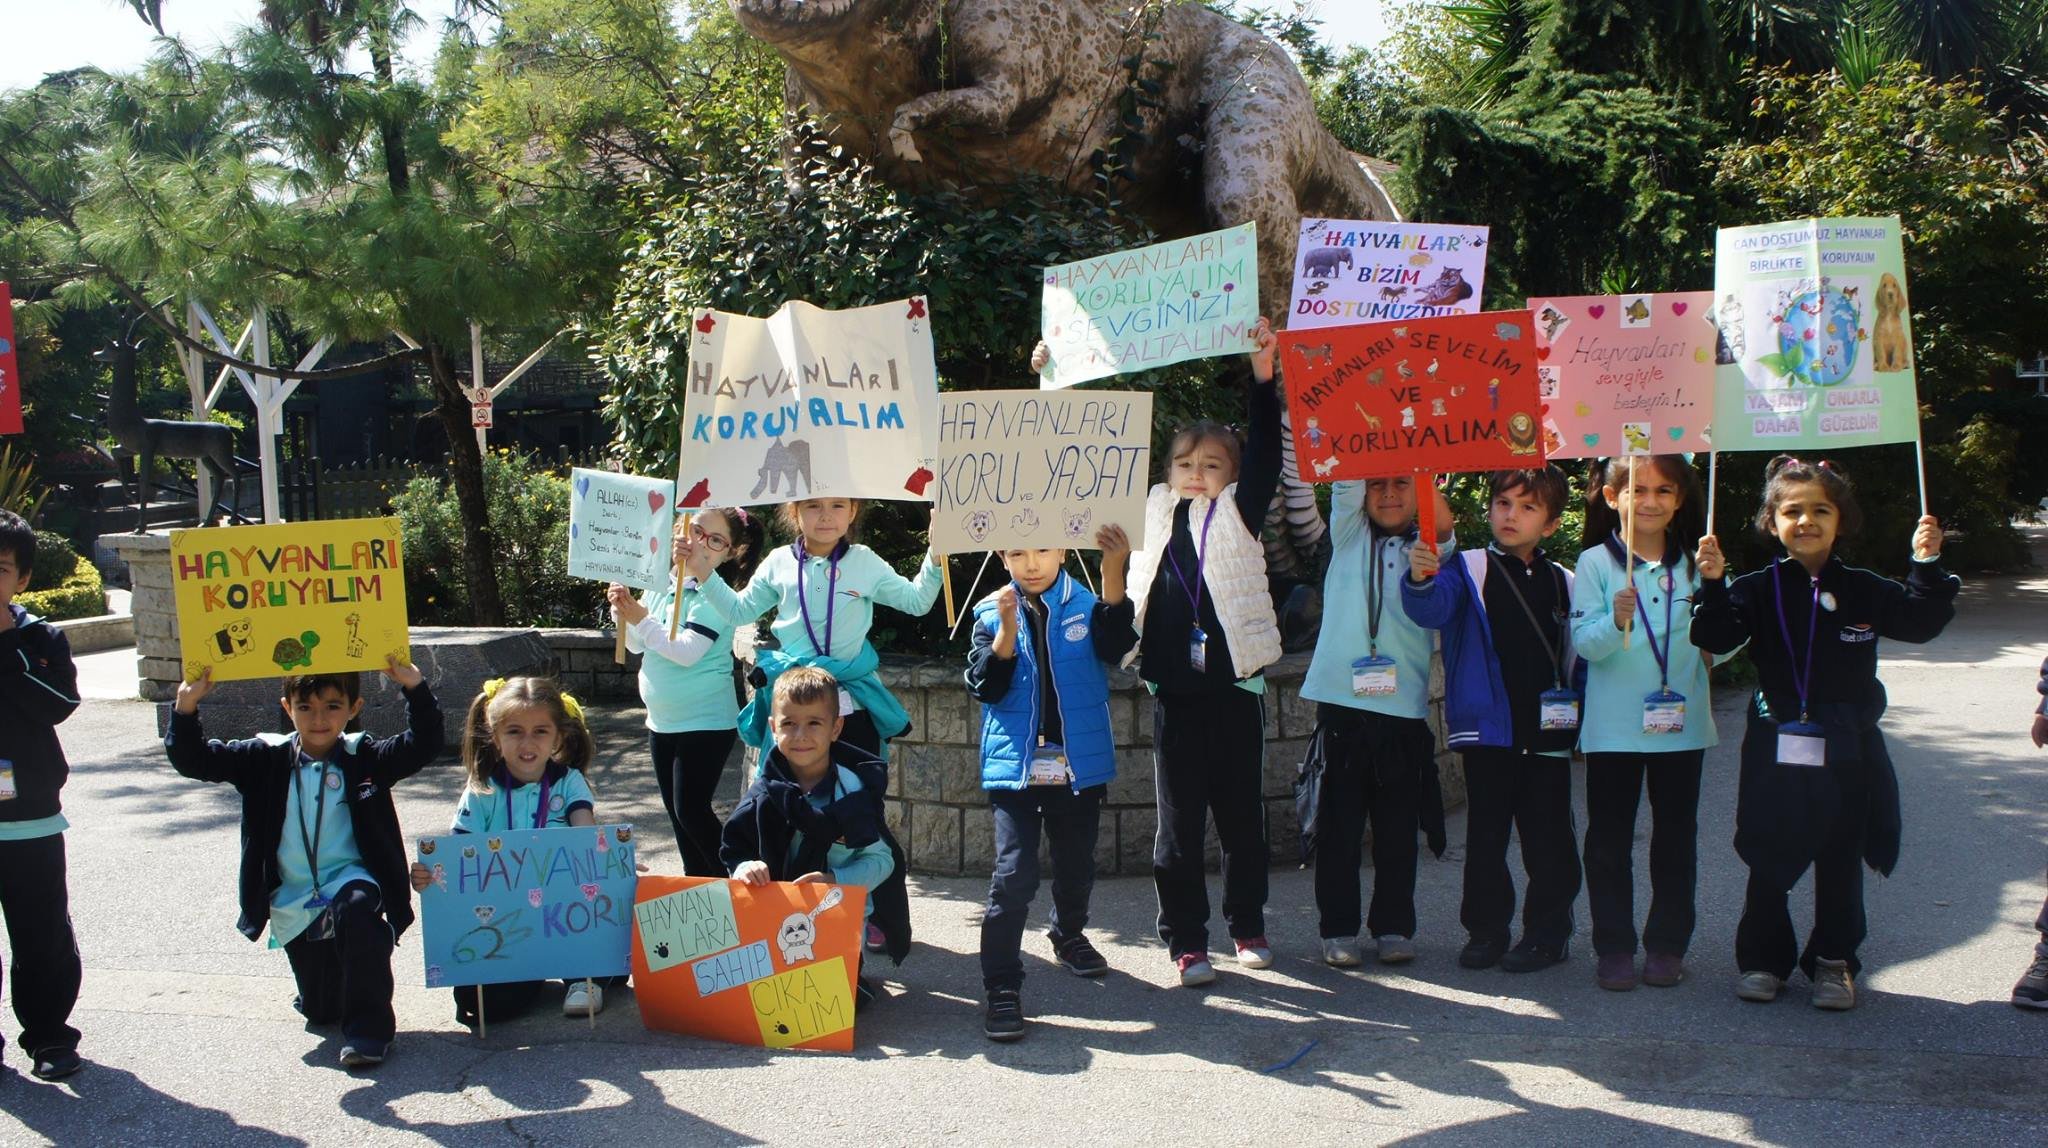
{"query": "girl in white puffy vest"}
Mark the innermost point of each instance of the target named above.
(1207, 629)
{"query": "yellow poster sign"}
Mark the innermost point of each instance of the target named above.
(298, 597)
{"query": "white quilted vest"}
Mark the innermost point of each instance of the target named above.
(1233, 572)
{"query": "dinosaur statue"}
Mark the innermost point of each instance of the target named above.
(989, 92)
(140, 441)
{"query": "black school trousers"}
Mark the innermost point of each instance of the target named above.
(1069, 823)
(1764, 938)
(46, 970)
(688, 766)
(1614, 789)
(1372, 762)
(1209, 758)
(347, 977)
(1529, 795)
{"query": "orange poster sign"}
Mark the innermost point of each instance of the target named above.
(770, 965)
(1449, 393)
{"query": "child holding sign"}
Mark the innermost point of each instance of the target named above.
(1369, 678)
(323, 862)
(1649, 717)
(1510, 713)
(815, 811)
(686, 681)
(38, 690)
(1039, 666)
(524, 747)
(1207, 629)
(1817, 788)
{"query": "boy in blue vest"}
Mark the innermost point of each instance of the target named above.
(1040, 663)
(323, 860)
(38, 690)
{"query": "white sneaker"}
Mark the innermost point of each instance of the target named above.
(584, 999)
(1341, 952)
(1395, 950)
(1254, 953)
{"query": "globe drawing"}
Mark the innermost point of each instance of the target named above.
(1818, 336)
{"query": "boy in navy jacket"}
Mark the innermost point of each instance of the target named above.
(1048, 754)
(1510, 713)
(2032, 989)
(38, 690)
(323, 861)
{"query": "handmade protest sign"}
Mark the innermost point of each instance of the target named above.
(1151, 306)
(1040, 469)
(808, 403)
(10, 375)
(1350, 271)
(527, 904)
(621, 527)
(1816, 348)
(1625, 374)
(310, 597)
(769, 965)
(1457, 392)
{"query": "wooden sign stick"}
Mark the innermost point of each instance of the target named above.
(1628, 539)
(675, 608)
(946, 579)
(1425, 510)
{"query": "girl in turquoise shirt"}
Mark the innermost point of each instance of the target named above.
(686, 681)
(1648, 717)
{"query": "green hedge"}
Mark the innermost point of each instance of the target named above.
(77, 593)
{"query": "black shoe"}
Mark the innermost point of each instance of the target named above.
(363, 1052)
(1004, 1018)
(56, 1063)
(1077, 956)
(1528, 957)
(2032, 991)
(1482, 954)
(864, 995)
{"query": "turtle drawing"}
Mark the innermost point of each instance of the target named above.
(293, 652)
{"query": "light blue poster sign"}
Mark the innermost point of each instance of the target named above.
(620, 528)
(527, 905)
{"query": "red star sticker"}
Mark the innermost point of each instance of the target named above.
(705, 324)
(916, 309)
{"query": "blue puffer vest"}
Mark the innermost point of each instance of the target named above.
(1009, 728)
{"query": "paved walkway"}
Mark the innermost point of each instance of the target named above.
(192, 1040)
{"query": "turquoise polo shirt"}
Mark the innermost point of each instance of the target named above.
(682, 698)
(1346, 634)
(505, 806)
(1617, 679)
(317, 849)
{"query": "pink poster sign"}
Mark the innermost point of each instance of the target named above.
(1625, 374)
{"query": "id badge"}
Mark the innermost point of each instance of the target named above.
(1198, 651)
(1373, 677)
(1802, 743)
(1557, 710)
(6, 780)
(1049, 767)
(1664, 712)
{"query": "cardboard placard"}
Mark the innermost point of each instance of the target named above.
(1625, 374)
(1151, 306)
(1350, 271)
(1816, 347)
(10, 373)
(1040, 469)
(770, 965)
(527, 904)
(621, 528)
(1453, 393)
(810, 403)
(307, 597)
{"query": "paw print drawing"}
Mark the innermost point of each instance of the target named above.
(661, 950)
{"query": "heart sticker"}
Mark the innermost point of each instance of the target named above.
(582, 485)
(655, 501)
(589, 891)
(533, 897)
(1592, 440)
(1543, 352)
(654, 546)
(1583, 411)
(1678, 308)
(1597, 310)
(1677, 433)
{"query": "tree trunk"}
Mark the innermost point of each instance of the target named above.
(466, 467)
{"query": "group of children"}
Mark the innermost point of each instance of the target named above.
(1610, 658)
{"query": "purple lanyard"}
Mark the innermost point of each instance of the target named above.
(1661, 653)
(1800, 680)
(1201, 556)
(540, 811)
(831, 597)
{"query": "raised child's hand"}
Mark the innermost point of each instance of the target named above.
(751, 873)
(1624, 608)
(1114, 543)
(1266, 344)
(1006, 608)
(405, 674)
(1422, 561)
(1708, 558)
(624, 607)
(2040, 730)
(1040, 356)
(190, 693)
(1927, 538)
(420, 877)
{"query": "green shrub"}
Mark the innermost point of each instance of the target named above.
(529, 511)
(70, 585)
